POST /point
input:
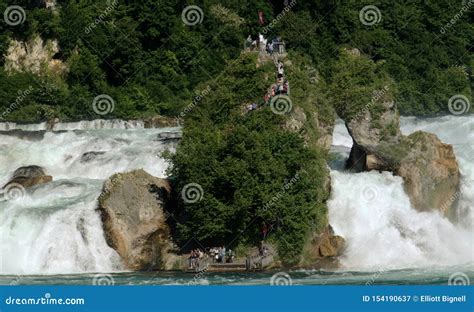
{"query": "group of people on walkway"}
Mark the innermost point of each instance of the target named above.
(214, 254)
(282, 86)
(262, 44)
(221, 255)
(194, 257)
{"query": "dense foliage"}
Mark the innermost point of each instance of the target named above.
(252, 171)
(429, 57)
(144, 56)
(140, 53)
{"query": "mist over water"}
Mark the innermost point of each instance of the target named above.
(373, 213)
(54, 227)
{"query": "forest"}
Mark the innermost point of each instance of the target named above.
(142, 55)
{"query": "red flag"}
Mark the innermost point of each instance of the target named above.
(261, 18)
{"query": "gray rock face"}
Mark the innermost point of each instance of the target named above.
(134, 220)
(90, 156)
(29, 176)
(430, 172)
(428, 167)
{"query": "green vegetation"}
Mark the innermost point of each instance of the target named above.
(140, 53)
(251, 169)
(360, 86)
(144, 56)
(428, 60)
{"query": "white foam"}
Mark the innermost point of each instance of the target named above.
(382, 230)
(55, 227)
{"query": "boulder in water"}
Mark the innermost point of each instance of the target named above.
(428, 167)
(430, 172)
(29, 176)
(327, 244)
(132, 207)
(90, 156)
(324, 249)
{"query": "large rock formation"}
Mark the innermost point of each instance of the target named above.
(325, 248)
(29, 176)
(430, 172)
(427, 166)
(327, 244)
(134, 220)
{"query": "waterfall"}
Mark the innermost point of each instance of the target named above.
(373, 213)
(54, 227)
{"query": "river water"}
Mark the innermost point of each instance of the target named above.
(52, 234)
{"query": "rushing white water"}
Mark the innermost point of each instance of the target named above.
(79, 125)
(373, 213)
(54, 227)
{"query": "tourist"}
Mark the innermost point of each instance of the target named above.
(248, 42)
(270, 48)
(222, 254)
(266, 98)
(280, 68)
(264, 231)
(262, 42)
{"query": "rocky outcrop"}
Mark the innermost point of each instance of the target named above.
(428, 167)
(327, 244)
(33, 56)
(29, 176)
(430, 172)
(90, 156)
(132, 207)
(324, 249)
(298, 121)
